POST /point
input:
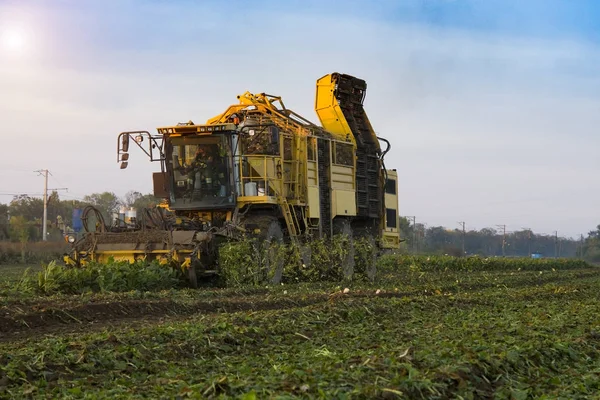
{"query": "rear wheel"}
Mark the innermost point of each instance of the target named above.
(192, 276)
(270, 240)
(343, 227)
(365, 234)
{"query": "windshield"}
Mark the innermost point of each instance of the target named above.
(200, 169)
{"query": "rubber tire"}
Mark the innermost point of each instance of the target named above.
(192, 276)
(372, 267)
(271, 231)
(274, 266)
(343, 227)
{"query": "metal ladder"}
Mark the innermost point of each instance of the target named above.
(290, 217)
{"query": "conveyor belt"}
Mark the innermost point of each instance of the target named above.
(350, 94)
(323, 154)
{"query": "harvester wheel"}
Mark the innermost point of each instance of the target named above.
(192, 277)
(372, 251)
(343, 227)
(270, 241)
(371, 258)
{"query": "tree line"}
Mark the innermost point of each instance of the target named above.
(494, 242)
(21, 221)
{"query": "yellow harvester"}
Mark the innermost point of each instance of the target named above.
(260, 168)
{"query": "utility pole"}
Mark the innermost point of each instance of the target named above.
(45, 173)
(528, 240)
(503, 239)
(414, 241)
(463, 236)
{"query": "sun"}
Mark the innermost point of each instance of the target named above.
(13, 40)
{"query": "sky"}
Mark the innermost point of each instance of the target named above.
(491, 107)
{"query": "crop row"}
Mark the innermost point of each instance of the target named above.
(477, 263)
(498, 344)
(245, 263)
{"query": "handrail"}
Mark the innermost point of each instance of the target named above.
(274, 181)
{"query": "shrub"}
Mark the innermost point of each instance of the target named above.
(110, 277)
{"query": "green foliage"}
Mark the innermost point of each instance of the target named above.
(475, 263)
(246, 262)
(138, 200)
(106, 202)
(512, 335)
(240, 264)
(4, 227)
(110, 277)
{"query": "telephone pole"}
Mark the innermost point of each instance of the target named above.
(503, 239)
(528, 240)
(45, 173)
(414, 241)
(463, 236)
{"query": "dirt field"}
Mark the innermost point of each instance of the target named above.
(413, 334)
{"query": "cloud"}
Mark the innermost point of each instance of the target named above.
(473, 117)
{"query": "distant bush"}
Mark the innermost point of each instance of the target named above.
(110, 277)
(34, 252)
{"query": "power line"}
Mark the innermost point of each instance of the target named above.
(19, 194)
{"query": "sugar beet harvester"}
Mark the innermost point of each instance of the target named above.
(258, 168)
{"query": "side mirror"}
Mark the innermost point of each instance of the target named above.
(125, 157)
(274, 131)
(125, 143)
(124, 165)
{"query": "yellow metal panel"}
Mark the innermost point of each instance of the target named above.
(329, 112)
(391, 236)
(312, 175)
(314, 207)
(341, 170)
(342, 178)
(104, 258)
(390, 240)
(344, 202)
(242, 200)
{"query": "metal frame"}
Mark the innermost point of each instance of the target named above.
(154, 142)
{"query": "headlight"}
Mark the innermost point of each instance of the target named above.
(71, 239)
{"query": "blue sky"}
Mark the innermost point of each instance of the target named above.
(491, 106)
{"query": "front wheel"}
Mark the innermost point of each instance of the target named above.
(192, 276)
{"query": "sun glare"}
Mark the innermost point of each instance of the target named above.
(13, 40)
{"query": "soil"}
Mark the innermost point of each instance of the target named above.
(19, 322)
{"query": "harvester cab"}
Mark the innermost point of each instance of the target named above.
(257, 169)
